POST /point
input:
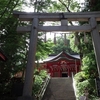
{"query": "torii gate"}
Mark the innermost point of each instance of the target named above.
(91, 17)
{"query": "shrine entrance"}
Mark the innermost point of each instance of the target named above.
(92, 27)
(64, 74)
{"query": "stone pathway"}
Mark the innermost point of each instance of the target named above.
(59, 89)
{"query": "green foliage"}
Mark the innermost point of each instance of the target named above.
(41, 5)
(6, 8)
(37, 84)
(73, 46)
(9, 42)
(43, 49)
(74, 6)
(89, 84)
(79, 77)
(56, 7)
(14, 45)
(85, 79)
(62, 45)
(43, 74)
(39, 80)
(82, 83)
(94, 5)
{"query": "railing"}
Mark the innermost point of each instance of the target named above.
(43, 89)
(74, 84)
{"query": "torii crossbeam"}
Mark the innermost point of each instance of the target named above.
(34, 28)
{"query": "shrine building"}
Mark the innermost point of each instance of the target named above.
(62, 65)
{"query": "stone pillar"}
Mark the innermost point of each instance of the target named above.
(96, 41)
(64, 22)
(27, 91)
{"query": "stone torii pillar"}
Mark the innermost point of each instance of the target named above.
(96, 41)
(27, 91)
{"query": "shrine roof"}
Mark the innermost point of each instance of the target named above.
(60, 56)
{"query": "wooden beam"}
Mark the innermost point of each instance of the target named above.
(83, 28)
(80, 16)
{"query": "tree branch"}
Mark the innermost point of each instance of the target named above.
(67, 7)
(5, 9)
(10, 12)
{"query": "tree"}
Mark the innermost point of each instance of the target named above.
(89, 67)
(15, 45)
(43, 48)
(62, 44)
(8, 42)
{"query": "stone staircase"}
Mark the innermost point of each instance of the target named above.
(59, 89)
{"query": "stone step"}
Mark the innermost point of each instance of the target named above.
(59, 89)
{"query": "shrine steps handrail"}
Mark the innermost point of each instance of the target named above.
(43, 89)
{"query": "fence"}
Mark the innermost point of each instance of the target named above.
(43, 89)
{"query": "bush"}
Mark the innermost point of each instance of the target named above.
(37, 84)
(83, 83)
(39, 80)
(43, 74)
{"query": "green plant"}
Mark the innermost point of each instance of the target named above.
(39, 80)
(43, 74)
(37, 84)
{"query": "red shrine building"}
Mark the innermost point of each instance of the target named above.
(62, 65)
